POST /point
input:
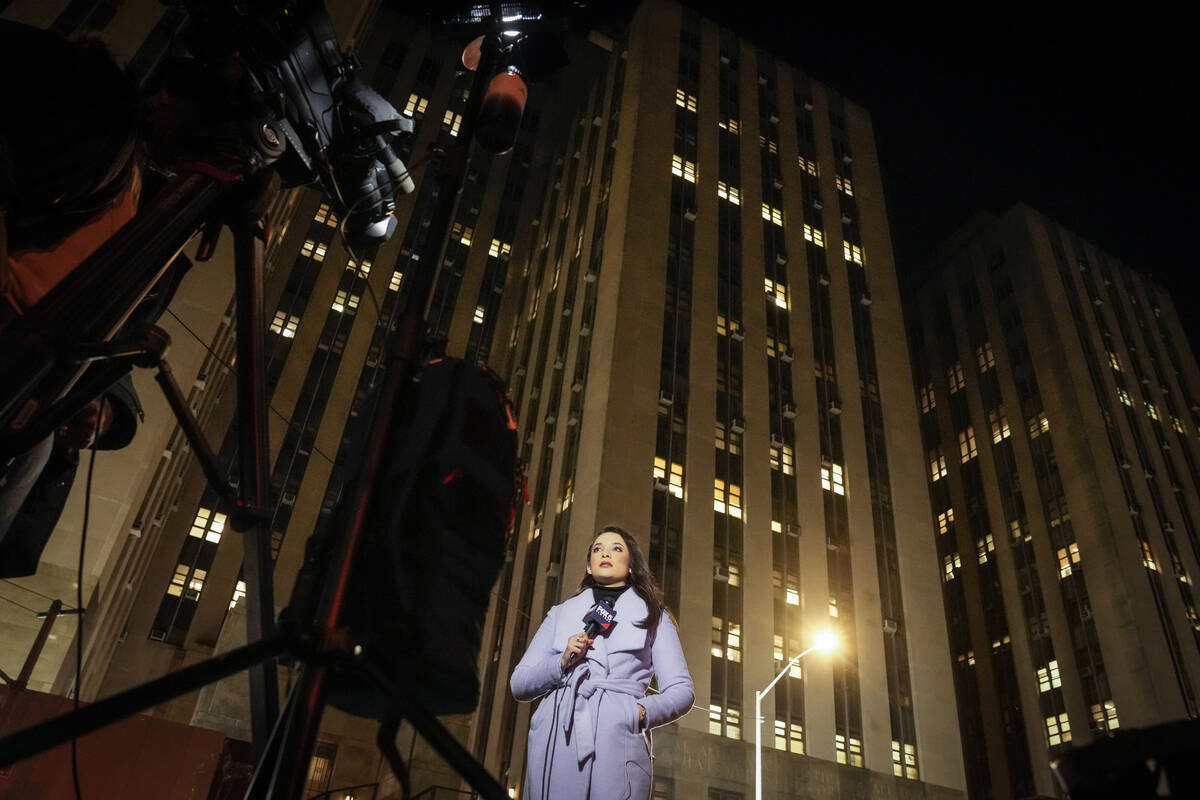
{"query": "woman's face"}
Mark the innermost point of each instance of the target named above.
(608, 561)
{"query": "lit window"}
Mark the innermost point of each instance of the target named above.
(950, 564)
(451, 122)
(478, 315)
(730, 125)
(463, 233)
(238, 594)
(714, 719)
(1048, 677)
(772, 214)
(945, 520)
(814, 235)
(1105, 716)
(985, 356)
(984, 546)
(1014, 528)
(833, 607)
(685, 100)
(675, 482)
(808, 166)
(208, 526)
(313, 249)
(499, 249)
(777, 291)
(285, 324)
(175, 587)
(904, 761)
(1066, 557)
(794, 670)
(1058, 729)
(843, 185)
(683, 169)
(849, 750)
(1003, 640)
(999, 422)
(956, 377)
(322, 213)
(793, 597)
(967, 448)
(361, 270)
(937, 464)
(1114, 361)
(200, 523)
(1123, 396)
(832, 479)
(1152, 412)
(344, 301)
(727, 499)
(852, 252)
(730, 193)
(733, 642)
(1038, 425)
(1177, 424)
(722, 325)
(1148, 557)
(967, 659)
(768, 143)
(394, 284)
(415, 106)
(782, 459)
(928, 400)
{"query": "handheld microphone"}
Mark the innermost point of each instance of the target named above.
(599, 619)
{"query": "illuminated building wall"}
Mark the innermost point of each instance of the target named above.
(1059, 413)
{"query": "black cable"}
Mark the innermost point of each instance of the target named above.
(87, 509)
(32, 591)
(229, 366)
(20, 605)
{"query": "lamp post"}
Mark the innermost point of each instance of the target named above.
(825, 641)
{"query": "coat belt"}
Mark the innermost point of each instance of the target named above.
(582, 719)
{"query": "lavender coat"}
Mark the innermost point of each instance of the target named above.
(584, 742)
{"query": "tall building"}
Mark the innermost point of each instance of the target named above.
(710, 305)
(608, 268)
(1059, 411)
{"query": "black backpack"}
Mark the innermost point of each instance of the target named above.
(435, 547)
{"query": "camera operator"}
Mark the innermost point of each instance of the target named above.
(69, 179)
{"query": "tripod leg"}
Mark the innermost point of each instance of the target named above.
(253, 487)
(386, 739)
(265, 767)
(438, 737)
(23, 744)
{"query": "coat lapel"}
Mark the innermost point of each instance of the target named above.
(631, 609)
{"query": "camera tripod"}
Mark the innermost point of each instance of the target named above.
(53, 376)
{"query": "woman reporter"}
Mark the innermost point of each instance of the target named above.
(589, 737)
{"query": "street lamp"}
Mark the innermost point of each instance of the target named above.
(825, 641)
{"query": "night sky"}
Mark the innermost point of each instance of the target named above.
(1082, 118)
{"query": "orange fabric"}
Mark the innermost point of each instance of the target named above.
(33, 273)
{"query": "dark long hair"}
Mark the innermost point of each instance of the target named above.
(640, 578)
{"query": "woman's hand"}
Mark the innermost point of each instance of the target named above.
(577, 645)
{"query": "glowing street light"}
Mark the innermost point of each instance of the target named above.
(826, 641)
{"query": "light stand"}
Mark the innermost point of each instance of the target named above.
(826, 642)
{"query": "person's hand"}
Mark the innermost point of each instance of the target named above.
(89, 424)
(577, 645)
(641, 716)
